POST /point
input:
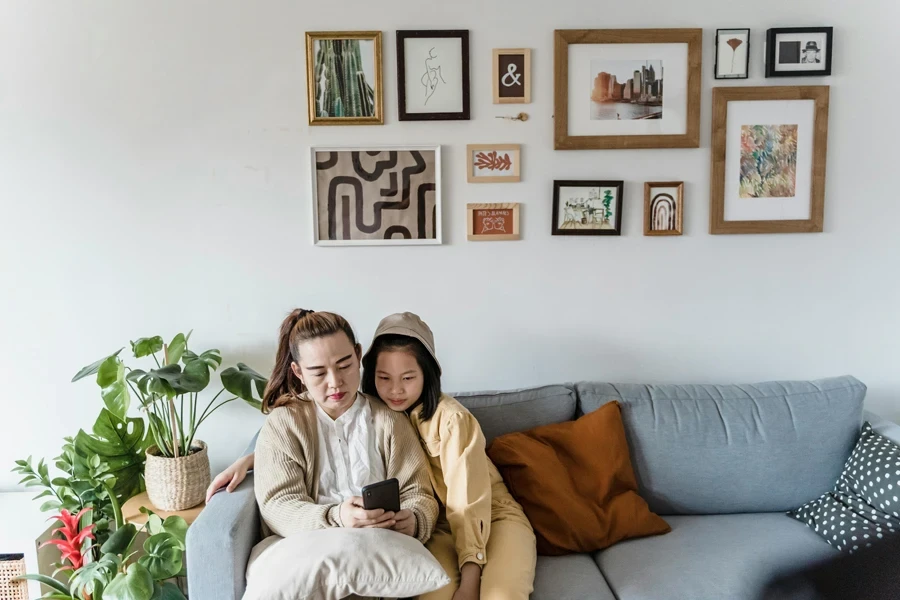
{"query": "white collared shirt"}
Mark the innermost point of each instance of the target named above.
(348, 453)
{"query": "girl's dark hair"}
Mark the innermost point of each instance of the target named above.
(431, 388)
(299, 326)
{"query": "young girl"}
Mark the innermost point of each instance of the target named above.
(483, 540)
(324, 440)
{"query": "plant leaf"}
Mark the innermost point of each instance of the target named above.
(241, 380)
(147, 346)
(194, 378)
(135, 584)
(213, 358)
(50, 505)
(177, 527)
(163, 557)
(111, 378)
(120, 443)
(119, 541)
(161, 381)
(94, 576)
(176, 349)
(48, 581)
(167, 591)
(93, 368)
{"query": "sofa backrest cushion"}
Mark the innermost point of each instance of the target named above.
(519, 410)
(713, 449)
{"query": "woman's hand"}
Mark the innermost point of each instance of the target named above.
(354, 515)
(469, 582)
(405, 522)
(230, 477)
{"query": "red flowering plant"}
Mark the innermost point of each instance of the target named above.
(71, 542)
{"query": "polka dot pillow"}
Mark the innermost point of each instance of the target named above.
(864, 506)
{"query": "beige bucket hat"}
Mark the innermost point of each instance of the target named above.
(410, 325)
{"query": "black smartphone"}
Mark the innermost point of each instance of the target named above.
(384, 494)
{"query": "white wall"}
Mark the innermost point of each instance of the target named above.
(154, 178)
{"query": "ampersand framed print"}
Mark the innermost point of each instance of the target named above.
(512, 76)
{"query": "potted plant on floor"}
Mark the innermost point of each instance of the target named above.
(177, 464)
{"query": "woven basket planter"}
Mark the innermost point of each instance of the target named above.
(177, 483)
(11, 566)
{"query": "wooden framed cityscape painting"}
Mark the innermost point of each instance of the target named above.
(493, 222)
(627, 88)
(769, 147)
(343, 78)
(376, 195)
(512, 76)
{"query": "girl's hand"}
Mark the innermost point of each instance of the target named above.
(469, 583)
(230, 477)
(354, 515)
(405, 522)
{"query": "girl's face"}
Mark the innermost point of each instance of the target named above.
(398, 379)
(329, 368)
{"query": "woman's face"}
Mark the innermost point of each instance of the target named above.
(329, 368)
(398, 379)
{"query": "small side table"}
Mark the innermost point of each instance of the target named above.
(131, 511)
(24, 529)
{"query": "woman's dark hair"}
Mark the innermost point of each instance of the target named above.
(299, 326)
(431, 387)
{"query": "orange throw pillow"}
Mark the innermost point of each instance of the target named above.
(576, 483)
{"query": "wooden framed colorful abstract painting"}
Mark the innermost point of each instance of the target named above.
(343, 78)
(493, 163)
(377, 195)
(512, 76)
(492, 222)
(768, 159)
(627, 88)
(587, 207)
(663, 207)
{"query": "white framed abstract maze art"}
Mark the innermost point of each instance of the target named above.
(376, 195)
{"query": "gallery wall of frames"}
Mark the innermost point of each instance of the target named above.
(622, 89)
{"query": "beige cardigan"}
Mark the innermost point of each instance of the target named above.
(285, 479)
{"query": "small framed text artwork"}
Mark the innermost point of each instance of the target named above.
(493, 222)
(433, 75)
(376, 195)
(512, 76)
(768, 159)
(343, 78)
(732, 53)
(627, 88)
(799, 51)
(587, 207)
(493, 163)
(663, 207)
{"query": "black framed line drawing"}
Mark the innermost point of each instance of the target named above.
(799, 51)
(732, 54)
(433, 75)
(587, 207)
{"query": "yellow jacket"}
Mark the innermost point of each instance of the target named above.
(466, 482)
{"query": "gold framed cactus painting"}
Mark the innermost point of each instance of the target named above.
(343, 77)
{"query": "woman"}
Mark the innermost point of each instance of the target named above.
(323, 440)
(483, 540)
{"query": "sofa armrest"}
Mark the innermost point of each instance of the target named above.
(219, 544)
(888, 429)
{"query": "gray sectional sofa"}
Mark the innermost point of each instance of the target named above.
(721, 463)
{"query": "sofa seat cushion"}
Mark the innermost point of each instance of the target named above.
(711, 557)
(572, 577)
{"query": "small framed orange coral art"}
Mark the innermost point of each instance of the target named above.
(492, 221)
(493, 163)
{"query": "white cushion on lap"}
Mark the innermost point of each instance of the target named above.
(329, 564)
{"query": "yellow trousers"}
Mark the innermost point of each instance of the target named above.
(511, 558)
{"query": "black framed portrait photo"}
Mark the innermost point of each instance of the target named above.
(799, 51)
(433, 75)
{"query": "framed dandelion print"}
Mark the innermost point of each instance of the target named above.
(627, 88)
(433, 75)
(768, 159)
(493, 163)
(343, 78)
(732, 53)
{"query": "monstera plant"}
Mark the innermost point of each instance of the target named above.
(167, 392)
